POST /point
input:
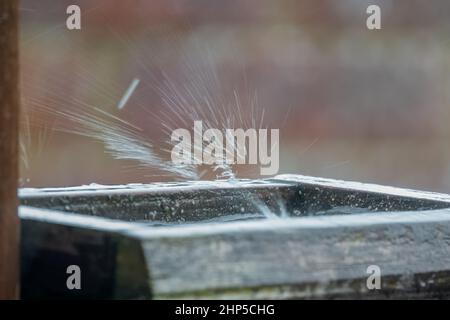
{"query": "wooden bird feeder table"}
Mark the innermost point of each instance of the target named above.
(213, 240)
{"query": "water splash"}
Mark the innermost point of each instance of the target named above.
(128, 93)
(198, 92)
(31, 145)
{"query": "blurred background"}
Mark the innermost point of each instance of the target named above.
(350, 103)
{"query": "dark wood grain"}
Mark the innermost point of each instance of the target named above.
(9, 120)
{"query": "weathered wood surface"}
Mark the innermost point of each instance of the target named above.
(300, 196)
(315, 255)
(9, 121)
(171, 203)
(311, 257)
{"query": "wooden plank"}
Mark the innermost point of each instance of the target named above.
(311, 257)
(170, 203)
(9, 123)
(200, 201)
(307, 257)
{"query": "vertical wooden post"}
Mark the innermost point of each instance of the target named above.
(9, 127)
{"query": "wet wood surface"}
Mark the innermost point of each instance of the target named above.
(320, 254)
(189, 202)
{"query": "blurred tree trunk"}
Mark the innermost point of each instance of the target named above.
(9, 126)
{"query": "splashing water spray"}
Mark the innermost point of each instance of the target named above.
(196, 95)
